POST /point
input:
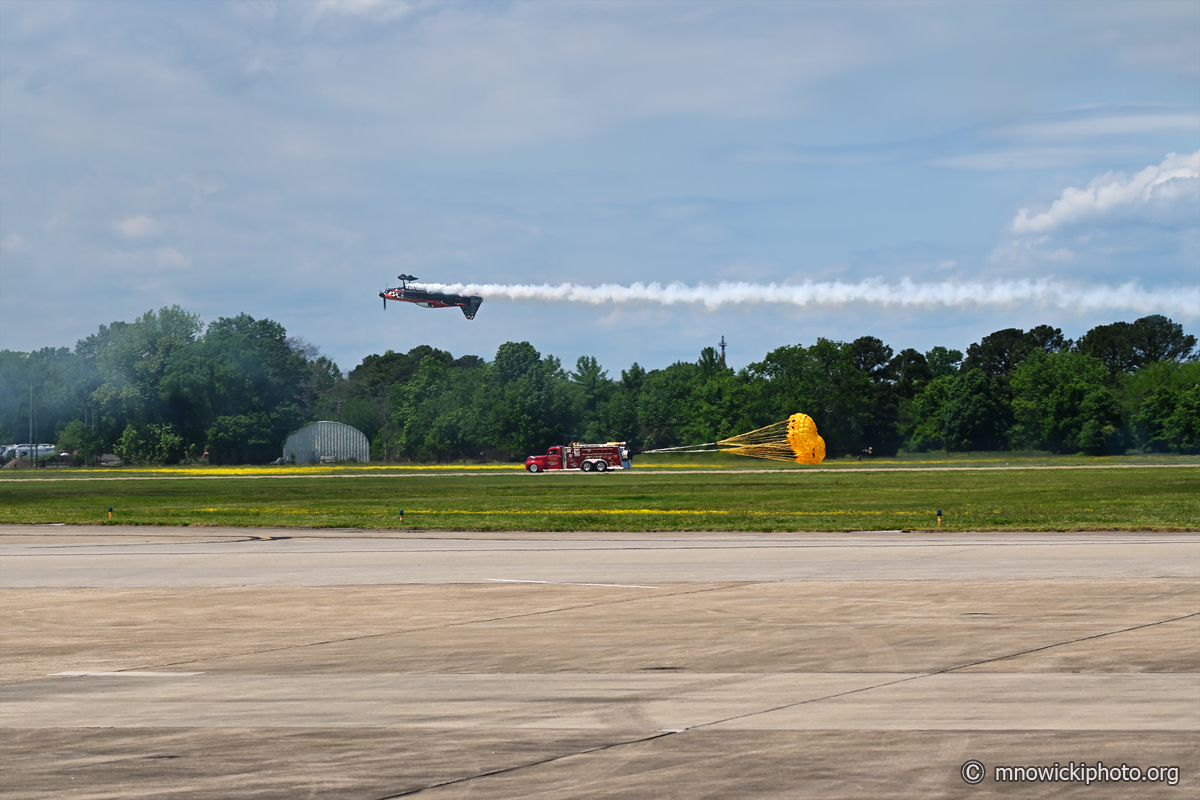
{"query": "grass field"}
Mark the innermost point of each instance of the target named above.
(1156, 498)
(672, 461)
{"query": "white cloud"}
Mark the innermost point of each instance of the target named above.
(139, 227)
(1023, 158)
(1174, 182)
(170, 257)
(14, 243)
(1161, 36)
(1030, 251)
(142, 265)
(480, 77)
(257, 10)
(1106, 125)
(1058, 139)
(372, 9)
(202, 182)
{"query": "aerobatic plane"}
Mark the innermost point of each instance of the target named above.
(407, 294)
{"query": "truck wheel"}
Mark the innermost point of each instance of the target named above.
(586, 466)
(601, 466)
(532, 468)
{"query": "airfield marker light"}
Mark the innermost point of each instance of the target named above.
(110, 512)
(939, 518)
(402, 516)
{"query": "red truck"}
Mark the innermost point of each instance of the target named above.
(585, 457)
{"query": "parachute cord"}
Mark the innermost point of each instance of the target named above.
(766, 430)
(793, 439)
(681, 448)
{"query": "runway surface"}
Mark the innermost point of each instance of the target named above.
(222, 662)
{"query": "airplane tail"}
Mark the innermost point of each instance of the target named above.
(471, 306)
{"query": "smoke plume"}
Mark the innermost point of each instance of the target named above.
(1178, 301)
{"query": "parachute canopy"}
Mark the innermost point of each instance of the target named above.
(793, 439)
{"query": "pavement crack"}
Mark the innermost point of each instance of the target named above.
(516, 767)
(808, 701)
(1066, 642)
(945, 671)
(464, 623)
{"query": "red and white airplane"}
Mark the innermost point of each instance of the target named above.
(406, 294)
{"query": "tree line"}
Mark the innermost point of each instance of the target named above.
(165, 388)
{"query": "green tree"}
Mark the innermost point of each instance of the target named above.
(155, 443)
(77, 437)
(976, 415)
(1157, 338)
(943, 362)
(1182, 428)
(533, 407)
(434, 412)
(132, 359)
(1057, 396)
(910, 371)
(234, 438)
(364, 397)
(441, 408)
(48, 379)
(593, 389)
(662, 405)
(923, 417)
(617, 416)
(1164, 396)
(999, 353)
(379, 373)
(911, 374)
(1102, 431)
(715, 404)
(881, 430)
(824, 381)
(238, 389)
(321, 388)
(1125, 346)
(1048, 339)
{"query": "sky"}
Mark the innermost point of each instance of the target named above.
(923, 172)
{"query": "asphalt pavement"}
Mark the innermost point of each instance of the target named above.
(223, 662)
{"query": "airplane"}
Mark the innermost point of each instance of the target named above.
(405, 294)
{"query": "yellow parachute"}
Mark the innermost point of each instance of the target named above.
(793, 439)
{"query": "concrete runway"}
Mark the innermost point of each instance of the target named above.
(220, 662)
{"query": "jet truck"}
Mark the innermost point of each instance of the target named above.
(583, 457)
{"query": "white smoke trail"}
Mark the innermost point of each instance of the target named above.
(1179, 301)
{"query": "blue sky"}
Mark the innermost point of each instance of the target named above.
(288, 160)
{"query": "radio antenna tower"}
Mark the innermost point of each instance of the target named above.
(722, 348)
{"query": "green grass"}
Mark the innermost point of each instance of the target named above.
(670, 461)
(820, 500)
